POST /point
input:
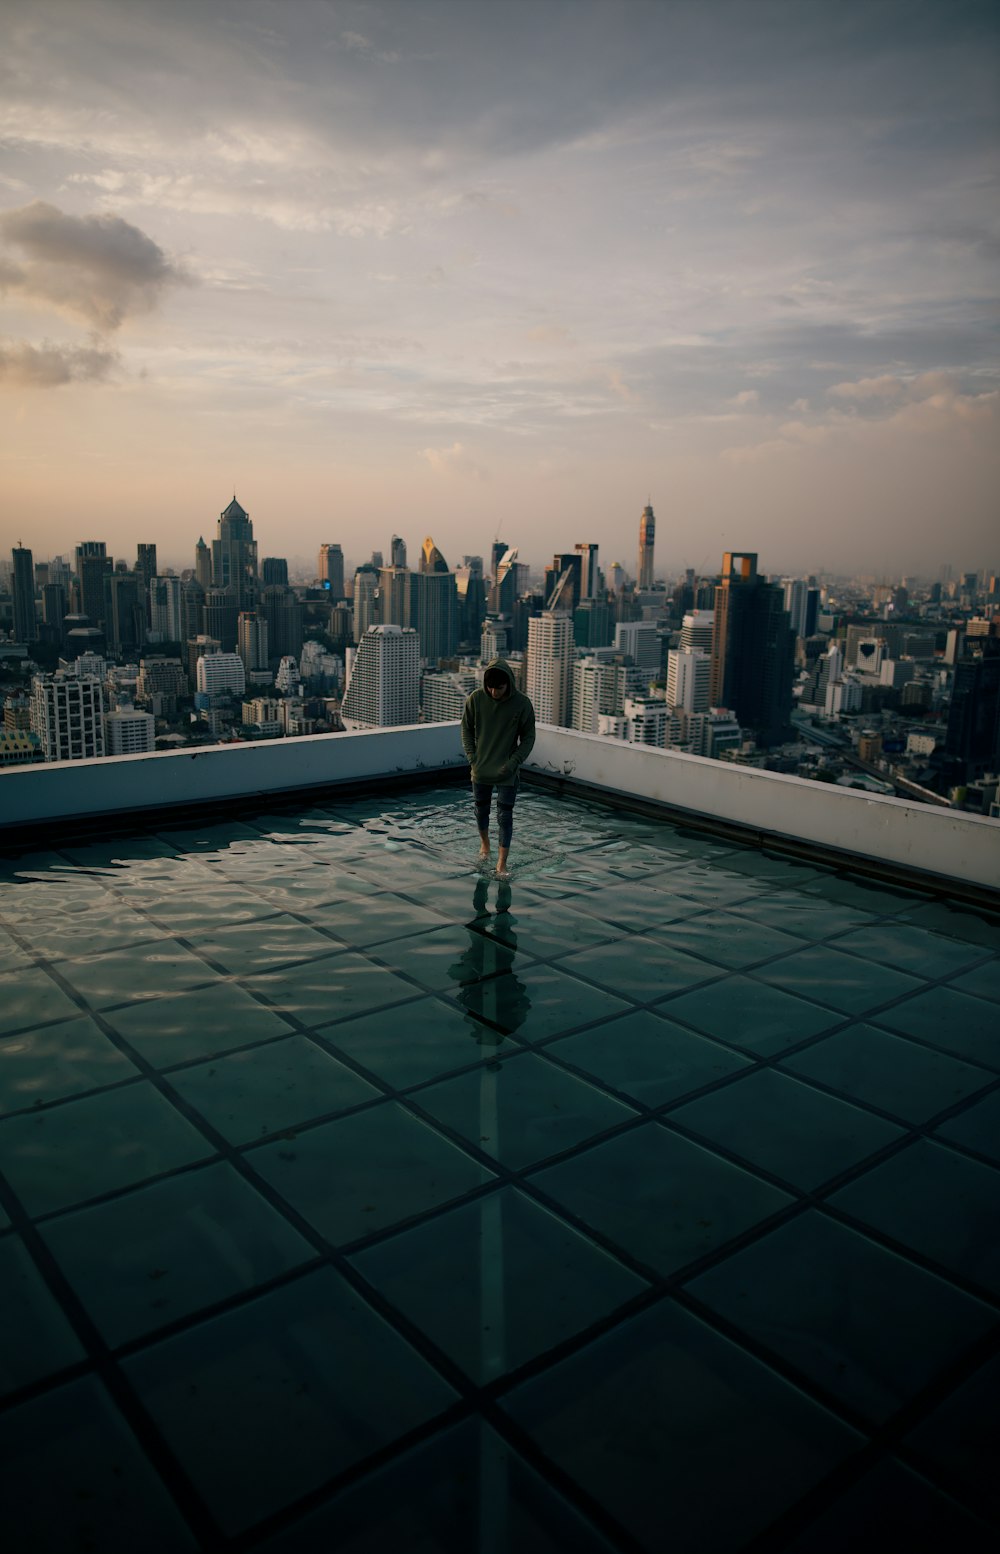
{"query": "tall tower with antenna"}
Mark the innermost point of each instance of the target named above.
(647, 535)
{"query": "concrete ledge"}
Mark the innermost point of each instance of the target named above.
(119, 785)
(915, 838)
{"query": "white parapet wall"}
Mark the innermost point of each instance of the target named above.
(920, 837)
(64, 790)
(889, 831)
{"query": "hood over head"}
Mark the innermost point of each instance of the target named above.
(500, 666)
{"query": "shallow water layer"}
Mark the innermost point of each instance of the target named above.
(351, 1198)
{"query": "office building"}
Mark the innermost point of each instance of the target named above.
(384, 686)
(203, 564)
(973, 737)
(647, 538)
(563, 582)
(506, 586)
(753, 650)
(697, 629)
(251, 643)
(161, 683)
(281, 607)
(25, 627)
(443, 694)
(598, 690)
(219, 674)
(93, 564)
(145, 571)
(549, 667)
(689, 675)
(234, 557)
(434, 614)
(470, 586)
(330, 571)
(67, 714)
(589, 573)
(365, 599)
(274, 572)
(640, 641)
(593, 626)
(124, 612)
(129, 732)
(397, 552)
(166, 621)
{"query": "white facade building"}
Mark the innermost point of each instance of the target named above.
(166, 621)
(550, 658)
(67, 714)
(598, 692)
(384, 688)
(696, 630)
(443, 696)
(688, 677)
(640, 640)
(221, 672)
(129, 732)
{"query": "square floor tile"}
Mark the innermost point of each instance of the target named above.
(751, 1015)
(958, 1442)
(631, 906)
(31, 998)
(686, 1440)
(144, 971)
(547, 929)
(522, 1109)
(357, 1175)
(538, 1002)
(977, 1127)
(83, 1148)
(212, 905)
(901, 1077)
(497, 1282)
(659, 1197)
(35, 1337)
(910, 948)
(450, 957)
(435, 1498)
(844, 981)
(334, 988)
(268, 1089)
(74, 1478)
(891, 1507)
(268, 1402)
(416, 1041)
(787, 1128)
(57, 1060)
(939, 1203)
(101, 929)
(260, 945)
(364, 920)
(808, 917)
(212, 1020)
(867, 1326)
(643, 967)
(958, 922)
(984, 981)
(952, 1021)
(728, 938)
(647, 1057)
(713, 884)
(169, 1249)
(12, 957)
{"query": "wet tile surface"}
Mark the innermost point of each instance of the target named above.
(351, 1199)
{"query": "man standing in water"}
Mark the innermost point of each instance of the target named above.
(498, 732)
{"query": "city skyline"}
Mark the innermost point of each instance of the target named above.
(472, 274)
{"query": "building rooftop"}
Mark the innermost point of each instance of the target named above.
(351, 1200)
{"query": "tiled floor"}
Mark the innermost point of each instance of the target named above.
(349, 1200)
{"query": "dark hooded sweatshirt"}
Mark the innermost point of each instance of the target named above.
(497, 736)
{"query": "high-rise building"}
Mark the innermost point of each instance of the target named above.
(165, 614)
(589, 580)
(124, 612)
(549, 672)
(592, 624)
(802, 603)
(697, 630)
(67, 714)
(365, 599)
(92, 566)
(598, 691)
(219, 674)
(471, 589)
(330, 571)
(395, 597)
(145, 571)
(689, 676)
(563, 581)
(753, 650)
(443, 695)
(25, 628)
(973, 737)
(234, 556)
(647, 538)
(384, 686)
(397, 552)
(222, 611)
(128, 731)
(505, 586)
(282, 609)
(274, 572)
(434, 613)
(203, 564)
(431, 559)
(54, 605)
(640, 641)
(251, 641)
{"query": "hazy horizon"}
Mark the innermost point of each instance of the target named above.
(472, 270)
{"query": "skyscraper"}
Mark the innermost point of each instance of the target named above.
(251, 641)
(203, 564)
(384, 686)
(25, 629)
(647, 536)
(549, 669)
(234, 555)
(124, 611)
(330, 571)
(689, 674)
(434, 613)
(752, 650)
(588, 579)
(431, 559)
(397, 552)
(365, 599)
(67, 714)
(92, 565)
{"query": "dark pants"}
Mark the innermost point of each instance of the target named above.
(482, 797)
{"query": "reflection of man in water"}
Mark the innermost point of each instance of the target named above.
(489, 989)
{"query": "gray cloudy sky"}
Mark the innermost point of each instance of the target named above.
(513, 268)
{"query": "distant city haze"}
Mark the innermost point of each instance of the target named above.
(504, 271)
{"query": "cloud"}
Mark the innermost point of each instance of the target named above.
(885, 387)
(50, 365)
(745, 398)
(455, 460)
(97, 268)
